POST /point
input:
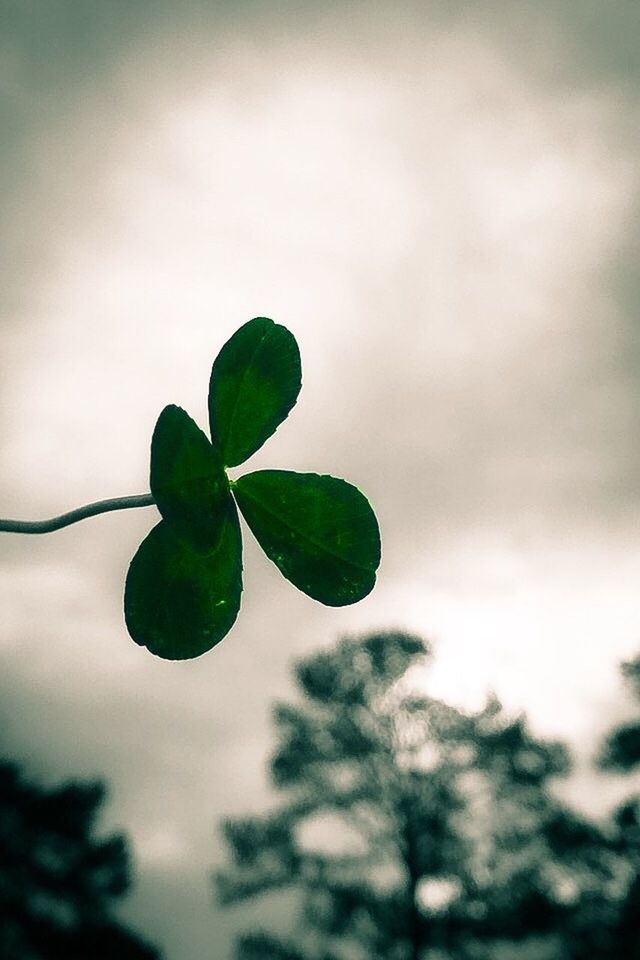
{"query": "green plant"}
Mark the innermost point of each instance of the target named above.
(184, 584)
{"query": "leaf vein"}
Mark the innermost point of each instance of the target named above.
(310, 539)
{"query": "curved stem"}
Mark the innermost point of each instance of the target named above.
(89, 510)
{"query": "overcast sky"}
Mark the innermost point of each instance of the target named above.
(440, 200)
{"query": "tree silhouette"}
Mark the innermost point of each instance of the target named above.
(411, 829)
(57, 879)
(621, 749)
(621, 753)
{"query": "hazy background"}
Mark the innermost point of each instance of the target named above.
(440, 200)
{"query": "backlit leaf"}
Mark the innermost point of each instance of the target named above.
(188, 481)
(255, 381)
(319, 531)
(177, 602)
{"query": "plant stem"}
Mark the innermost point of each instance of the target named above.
(89, 510)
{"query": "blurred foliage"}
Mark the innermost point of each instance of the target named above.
(57, 879)
(411, 829)
(621, 750)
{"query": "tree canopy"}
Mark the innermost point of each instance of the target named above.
(58, 879)
(620, 752)
(621, 749)
(411, 829)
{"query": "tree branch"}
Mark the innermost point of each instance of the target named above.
(81, 513)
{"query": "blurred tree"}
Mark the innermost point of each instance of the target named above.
(57, 880)
(621, 749)
(621, 753)
(412, 829)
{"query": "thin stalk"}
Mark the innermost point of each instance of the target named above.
(81, 513)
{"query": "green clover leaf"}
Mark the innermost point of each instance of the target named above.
(187, 480)
(183, 587)
(177, 602)
(255, 381)
(319, 531)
